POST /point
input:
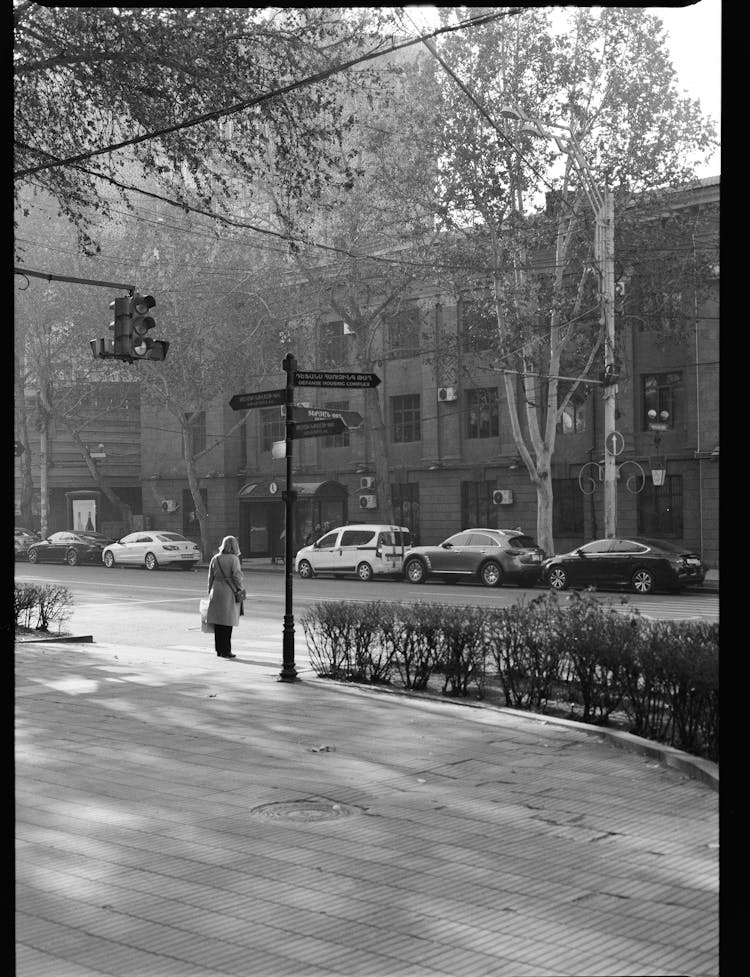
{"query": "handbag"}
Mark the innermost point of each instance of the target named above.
(206, 628)
(240, 594)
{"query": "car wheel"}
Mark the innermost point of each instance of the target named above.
(305, 570)
(415, 571)
(490, 574)
(642, 581)
(71, 558)
(151, 561)
(33, 556)
(109, 561)
(364, 572)
(558, 578)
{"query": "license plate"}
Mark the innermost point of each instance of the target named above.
(186, 556)
(693, 563)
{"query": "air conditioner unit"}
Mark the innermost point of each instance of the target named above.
(169, 505)
(447, 393)
(367, 502)
(367, 482)
(502, 497)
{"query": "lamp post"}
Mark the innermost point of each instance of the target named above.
(602, 205)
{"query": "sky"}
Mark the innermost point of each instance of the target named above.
(694, 41)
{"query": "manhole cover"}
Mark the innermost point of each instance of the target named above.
(303, 811)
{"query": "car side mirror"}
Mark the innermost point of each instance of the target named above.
(447, 546)
(580, 552)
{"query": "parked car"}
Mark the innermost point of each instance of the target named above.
(643, 565)
(489, 556)
(152, 549)
(68, 547)
(22, 540)
(361, 549)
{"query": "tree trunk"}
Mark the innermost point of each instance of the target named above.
(374, 420)
(192, 479)
(22, 435)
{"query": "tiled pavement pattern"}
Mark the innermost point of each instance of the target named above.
(459, 841)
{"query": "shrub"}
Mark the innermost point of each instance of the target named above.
(37, 607)
(417, 637)
(521, 643)
(599, 643)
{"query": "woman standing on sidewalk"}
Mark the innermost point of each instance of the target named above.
(224, 580)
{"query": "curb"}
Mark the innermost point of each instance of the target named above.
(82, 638)
(696, 768)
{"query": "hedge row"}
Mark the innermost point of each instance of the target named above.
(599, 658)
(36, 607)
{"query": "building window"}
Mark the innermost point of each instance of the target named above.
(243, 443)
(478, 321)
(405, 418)
(476, 505)
(405, 499)
(196, 421)
(404, 331)
(662, 401)
(573, 418)
(332, 342)
(273, 427)
(337, 440)
(567, 507)
(483, 413)
(660, 508)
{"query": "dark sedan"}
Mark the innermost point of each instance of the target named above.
(70, 548)
(643, 565)
(489, 556)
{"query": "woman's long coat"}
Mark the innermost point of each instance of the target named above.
(222, 607)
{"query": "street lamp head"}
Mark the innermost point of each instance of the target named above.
(508, 112)
(531, 129)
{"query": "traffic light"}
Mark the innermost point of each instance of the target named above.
(142, 346)
(131, 324)
(122, 326)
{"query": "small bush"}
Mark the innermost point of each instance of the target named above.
(37, 607)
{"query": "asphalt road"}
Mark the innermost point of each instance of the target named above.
(160, 608)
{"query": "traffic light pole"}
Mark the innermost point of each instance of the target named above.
(289, 672)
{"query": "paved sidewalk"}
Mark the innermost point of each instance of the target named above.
(184, 816)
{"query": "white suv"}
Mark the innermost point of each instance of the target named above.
(364, 550)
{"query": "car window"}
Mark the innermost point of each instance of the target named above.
(628, 546)
(144, 539)
(482, 539)
(329, 539)
(460, 539)
(166, 537)
(389, 538)
(599, 546)
(357, 537)
(59, 537)
(521, 542)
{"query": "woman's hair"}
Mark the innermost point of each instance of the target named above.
(230, 545)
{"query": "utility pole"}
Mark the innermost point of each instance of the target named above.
(605, 228)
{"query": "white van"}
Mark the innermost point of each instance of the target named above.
(366, 550)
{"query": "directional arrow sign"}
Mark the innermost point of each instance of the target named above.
(315, 429)
(262, 398)
(321, 379)
(351, 418)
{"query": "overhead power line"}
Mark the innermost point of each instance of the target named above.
(260, 99)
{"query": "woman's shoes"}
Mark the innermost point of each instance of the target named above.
(225, 655)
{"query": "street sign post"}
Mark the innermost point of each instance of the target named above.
(315, 429)
(309, 378)
(261, 398)
(351, 418)
(301, 422)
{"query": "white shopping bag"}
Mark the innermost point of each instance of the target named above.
(205, 626)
